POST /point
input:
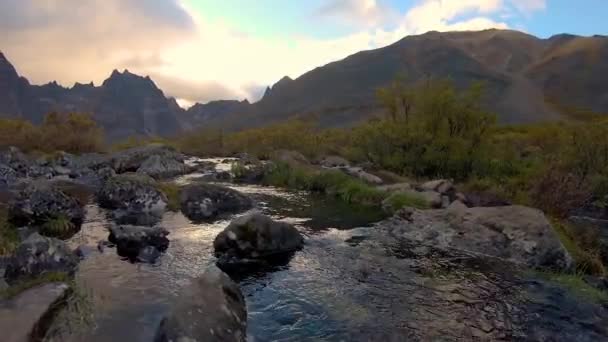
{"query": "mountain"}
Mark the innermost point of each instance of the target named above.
(199, 114)
(524, 76)
(124, 105)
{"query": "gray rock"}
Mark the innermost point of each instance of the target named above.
(133, 242)
(441, 186)
(367, 177)
(14, 159)
(8, 176)
(41, 202)
(132, 159)
(334, 162)
(202, 202)
(211, 309)
(28, 316)
(515, 233)
(134, 199)
(395, 187)
(255, 237)
(160, 167)
(247, 159)
(38, 255)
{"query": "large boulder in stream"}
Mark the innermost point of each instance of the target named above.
(134, 199)
(132, 159)
(38, 255)
(46, 205)
(211, 309)
(515, 233)
(160, 167)
(28, 316)
(204, 202)
(143, 244)
(255, 239)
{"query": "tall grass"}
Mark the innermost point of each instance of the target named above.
(9, 239)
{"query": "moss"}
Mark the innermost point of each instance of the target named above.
(9, 239)
(172, 191)
(51, 277)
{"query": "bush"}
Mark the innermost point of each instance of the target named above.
(172, 191)
(9, 239)
(401, 200)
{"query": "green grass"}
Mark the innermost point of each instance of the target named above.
(577, 285)
(400, 200)
(172, 191)
(51, 277)
(588, 262)
(9, 239)
(60, 226)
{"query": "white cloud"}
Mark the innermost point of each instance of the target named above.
(194, 59)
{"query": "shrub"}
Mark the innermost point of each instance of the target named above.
(172, 191)
(400, 200)
(60, 226)
(9, 239)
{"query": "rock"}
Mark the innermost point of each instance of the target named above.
(362, 175)
(84, 251)
(136, 242)
(335, 162)
(431, 197)
(28, 316)
(203, 202)
(134, 199)
(445, 201)
(292, 158)
(8, 176)
(457, 208)
(211, 309)
(38, 255)
(515, 233)
(132, 159)
(484, 199)
(252, 173)
(255, 238)
(161, 167)
(14, 159)
(45, 203)
(247, 159)
(442, 186)
(395, 187)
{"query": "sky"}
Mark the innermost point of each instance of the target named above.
(203, 50)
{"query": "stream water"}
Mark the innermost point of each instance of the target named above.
(125, 301)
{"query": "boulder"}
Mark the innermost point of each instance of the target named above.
(367, 177)
(38, 255)
(139, 243)
(255, 238)
(442, 186)
(160, 167)
(211, 309)
(292, 158)
(334, 162)
(516, 233)
(203, 202)
(134, 199)
(43, 203)
(8, 176)
(132, 159)
(28, 316)
(14, 159)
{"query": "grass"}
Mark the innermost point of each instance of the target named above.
(588, 262)
(51, 277)
(172, 191)
(577, 285)
(400, 200)
(9, 239)
(60, 226)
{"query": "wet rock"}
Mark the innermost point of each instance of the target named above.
(42, 203)
(28, 316)
(334, 162)
(136, 243)
(84, 251)
(519, 234)
(161, 167)
(255, 238)
(358, 172)
(38, 255)
(203, 202)
(211, 309)
(132, 159)
(134, 199)
(442, 186)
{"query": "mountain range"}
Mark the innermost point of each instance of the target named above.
(528, 79)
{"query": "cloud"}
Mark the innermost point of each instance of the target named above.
(366, 13)
(195, 59)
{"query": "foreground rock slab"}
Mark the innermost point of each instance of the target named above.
(28, 316)
(515, 233)
(254, 239)
(204, 202)
(38, 255)
(211, 309)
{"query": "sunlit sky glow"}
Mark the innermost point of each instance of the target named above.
(202, 50)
